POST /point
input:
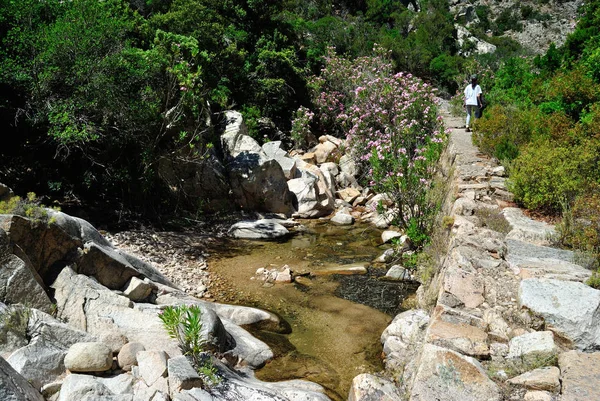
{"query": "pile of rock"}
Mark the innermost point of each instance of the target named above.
(80, 321)
(303, 185)
(274, 276)
(511, 317)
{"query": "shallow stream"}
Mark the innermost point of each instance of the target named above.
(333, 321)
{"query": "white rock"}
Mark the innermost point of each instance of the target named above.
(152, 365)
(370, 387)
(342, 219)
(389, 235)
(89, 357)
(259, 229)
(137, 290)
(127, 355)
(533, 347)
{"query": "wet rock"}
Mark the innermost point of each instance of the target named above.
(14, 387)
(120, 384)
(89, 357)
(342, 219)
(259, 229)
(127, 356)
(569, 308)
(580, 373)
(539, 379)
(447, 375)
(386, 256)
(339, 269)
(533, 348)
(368, 387)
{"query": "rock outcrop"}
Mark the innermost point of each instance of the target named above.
(107, 306)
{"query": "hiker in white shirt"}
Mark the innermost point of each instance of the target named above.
(472, 100)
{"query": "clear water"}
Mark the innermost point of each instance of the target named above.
(332, 339)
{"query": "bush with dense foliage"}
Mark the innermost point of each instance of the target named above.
(391, 125)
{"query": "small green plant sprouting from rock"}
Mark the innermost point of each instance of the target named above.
(14, 320)
(184, 323)
(447, 222)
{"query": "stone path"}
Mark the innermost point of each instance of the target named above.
(507, 305)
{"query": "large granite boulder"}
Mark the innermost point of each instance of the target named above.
(447, 375)
(274, 151)
(14, 387)
(569, 308)
(257, 182)
(19, 281)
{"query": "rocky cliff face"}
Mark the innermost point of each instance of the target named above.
(534, 24)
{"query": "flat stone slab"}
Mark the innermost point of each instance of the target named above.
(580, 375)
(527, 229)
(519, 252)
(569, 308)
(546, 379)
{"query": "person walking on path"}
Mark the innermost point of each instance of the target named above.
(472, 100)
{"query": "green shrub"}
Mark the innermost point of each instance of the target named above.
(30, 208)
(580, 229)
(547, 173)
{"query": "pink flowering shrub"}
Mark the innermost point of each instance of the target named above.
(391, 125)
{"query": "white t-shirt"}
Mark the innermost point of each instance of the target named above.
(471, 95)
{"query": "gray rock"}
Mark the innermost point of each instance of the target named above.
(342, 219)
(182, 375)
(107, 312)
(89, 357)
(259, 229)
(348, 166)
(274, 151)
(137, 290)
(309, 200)
(526, 229)
(330, 167)
(120, 384)
(401, 338)
(447, 375)
(368, 387)
(40, 362)
(398, 272)
(568, 308)
(538, 396)
(533, 348)
(389, 235)
(14, 387)
(127, 356)
(78, 387)
(258, 183)
(386, 256)
(152, 365)
(20, 283)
